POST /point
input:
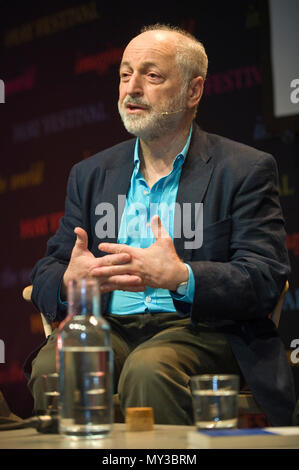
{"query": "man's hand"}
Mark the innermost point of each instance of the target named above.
(83, 263)
(157, 266)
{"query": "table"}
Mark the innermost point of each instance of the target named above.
(161, 437)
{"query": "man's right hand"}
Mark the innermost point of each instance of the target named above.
(83, 261)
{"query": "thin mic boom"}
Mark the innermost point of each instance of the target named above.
(172, 112)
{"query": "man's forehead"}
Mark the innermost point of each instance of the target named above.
(150, 46)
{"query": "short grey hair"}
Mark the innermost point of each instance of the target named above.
(191, 55)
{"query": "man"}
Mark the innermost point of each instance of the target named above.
(177, 307)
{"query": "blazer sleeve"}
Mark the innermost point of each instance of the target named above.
(47, 274)
(248, 285)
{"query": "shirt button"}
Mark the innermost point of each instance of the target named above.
(145, 192)
(148, 298)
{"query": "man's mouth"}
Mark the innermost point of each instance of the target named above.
(135, 107)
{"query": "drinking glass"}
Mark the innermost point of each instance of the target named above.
(215, 401)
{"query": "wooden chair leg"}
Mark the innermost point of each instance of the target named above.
(249, 413)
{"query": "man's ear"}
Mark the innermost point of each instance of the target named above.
(195, 91)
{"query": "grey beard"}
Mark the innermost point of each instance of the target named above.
(148, 129)
(155, 124)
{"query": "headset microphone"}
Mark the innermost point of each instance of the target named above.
(172, 112)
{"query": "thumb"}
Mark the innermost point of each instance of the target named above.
(82, 239)
(158, 229)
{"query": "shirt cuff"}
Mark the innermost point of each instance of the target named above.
(189, 296)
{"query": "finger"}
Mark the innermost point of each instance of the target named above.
(126, 280)
(158, 229)
(112, 260)
(82, 238)
(125, 283)
(112, 287)
(115, 248)
(108, 271)
(121, 280)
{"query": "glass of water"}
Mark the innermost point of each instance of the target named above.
(215, 401)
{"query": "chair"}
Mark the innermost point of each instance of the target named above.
(275, 315)
(250, 415)
(46, 324)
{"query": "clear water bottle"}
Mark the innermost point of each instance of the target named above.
(85, 364)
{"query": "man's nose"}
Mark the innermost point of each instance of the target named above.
(134, 86)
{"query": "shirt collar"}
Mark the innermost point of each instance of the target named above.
(179, 159)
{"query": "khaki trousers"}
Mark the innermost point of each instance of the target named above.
(155, 354)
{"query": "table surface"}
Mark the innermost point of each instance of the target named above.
(161, 437)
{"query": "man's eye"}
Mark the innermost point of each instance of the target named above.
(154, 77)
(124, 75)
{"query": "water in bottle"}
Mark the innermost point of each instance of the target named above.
(85, 364)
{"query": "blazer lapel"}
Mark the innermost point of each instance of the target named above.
(116, 186)
(196, 174)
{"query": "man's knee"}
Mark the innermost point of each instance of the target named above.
(148, 379)
(139, 367)
(147, 369)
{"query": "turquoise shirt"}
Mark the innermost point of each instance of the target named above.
(142, 203)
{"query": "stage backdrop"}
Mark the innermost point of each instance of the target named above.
(59, 64)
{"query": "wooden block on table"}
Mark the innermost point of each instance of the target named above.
(139, 419)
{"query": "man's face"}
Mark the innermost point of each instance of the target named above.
(151, 86)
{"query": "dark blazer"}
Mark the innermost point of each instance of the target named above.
(239, 270)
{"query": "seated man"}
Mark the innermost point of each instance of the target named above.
(198, 260)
